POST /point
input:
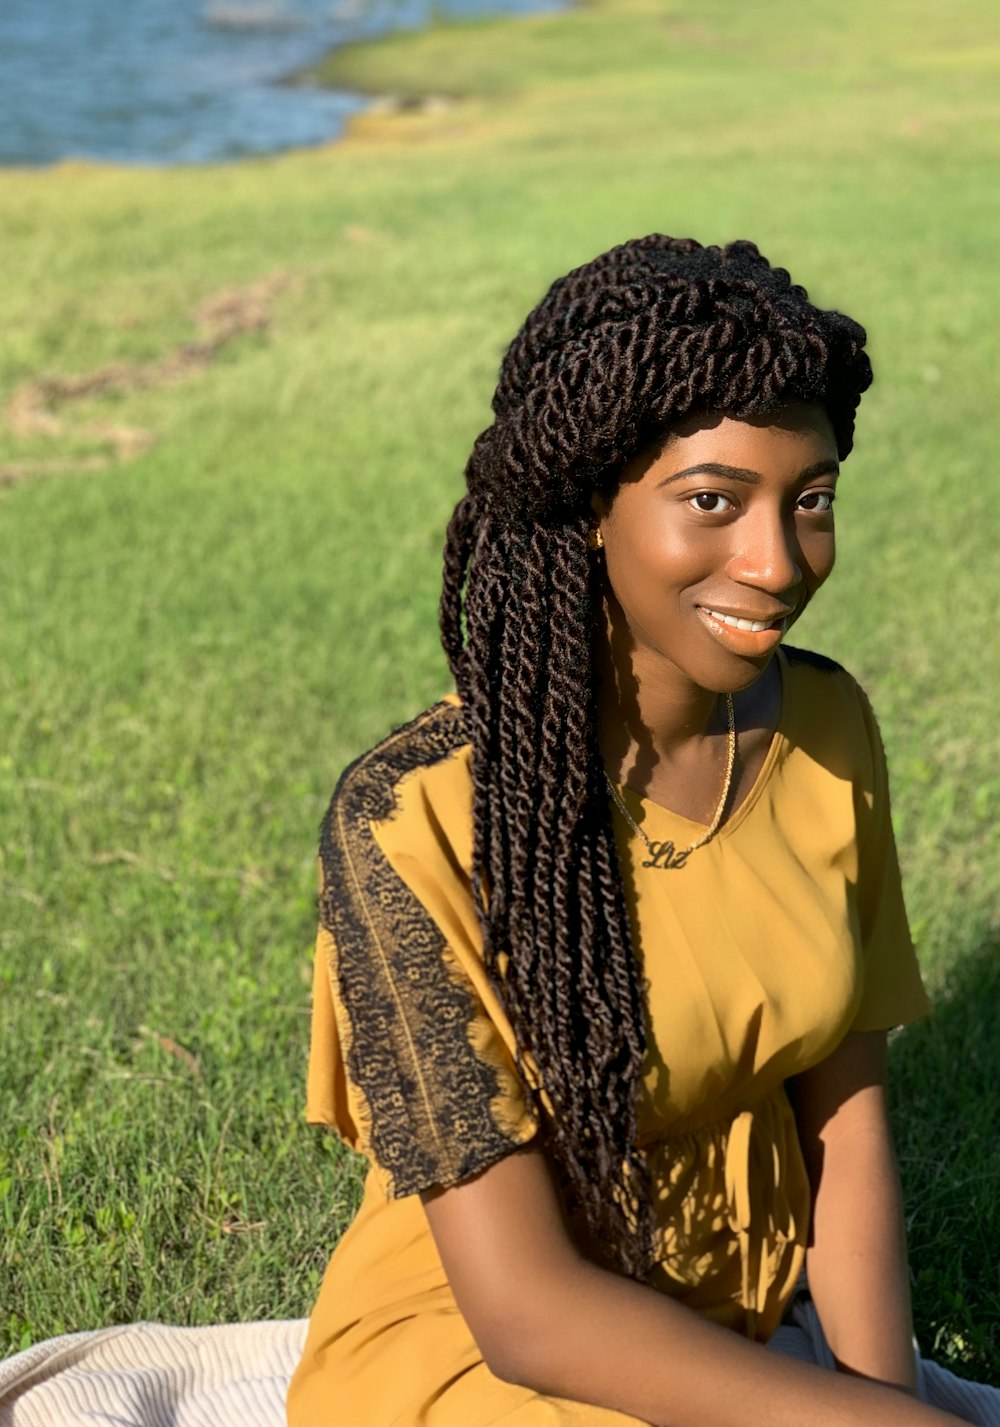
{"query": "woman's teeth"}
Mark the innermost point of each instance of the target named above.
(752, 624)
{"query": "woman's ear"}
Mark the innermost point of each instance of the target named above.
(599, 510)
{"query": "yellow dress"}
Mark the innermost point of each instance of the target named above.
(777, 938)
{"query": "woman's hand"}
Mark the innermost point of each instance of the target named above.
(546, 1318)
(856, 1261)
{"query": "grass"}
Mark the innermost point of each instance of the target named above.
(194, 642)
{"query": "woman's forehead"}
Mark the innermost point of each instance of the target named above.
(784, 442)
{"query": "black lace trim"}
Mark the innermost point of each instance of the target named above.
(428, 1092)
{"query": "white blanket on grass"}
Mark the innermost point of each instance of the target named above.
(151, 1375)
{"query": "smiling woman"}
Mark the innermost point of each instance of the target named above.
(714, 545)
(611, 938)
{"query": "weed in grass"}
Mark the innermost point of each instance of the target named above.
(946, 1104)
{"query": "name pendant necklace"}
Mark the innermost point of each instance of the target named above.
(665, 855)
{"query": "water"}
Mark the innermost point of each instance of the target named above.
(183, 81)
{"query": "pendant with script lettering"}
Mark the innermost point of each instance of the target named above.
(665, 855)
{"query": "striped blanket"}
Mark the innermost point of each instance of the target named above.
(151, 1375)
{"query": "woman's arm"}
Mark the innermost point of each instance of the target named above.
(856, 1259)
(544, 1317)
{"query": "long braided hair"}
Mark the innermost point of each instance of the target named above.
(616, 352)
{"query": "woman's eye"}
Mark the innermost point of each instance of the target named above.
(820, 502)
(711, 502)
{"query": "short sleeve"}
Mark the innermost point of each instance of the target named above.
(411, 1056)
(893, 993)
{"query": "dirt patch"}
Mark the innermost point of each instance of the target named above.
(695, 33)
(413, 104)
(37, 408)
(358, 233)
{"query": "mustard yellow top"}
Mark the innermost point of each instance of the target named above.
(779, 936)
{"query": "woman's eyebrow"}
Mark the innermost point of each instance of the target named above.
(826, 467)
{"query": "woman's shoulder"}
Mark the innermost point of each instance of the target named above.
(816, 678)
(829, 715)
(419, 765)
(810, 659)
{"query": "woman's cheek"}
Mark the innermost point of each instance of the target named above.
(820, 555)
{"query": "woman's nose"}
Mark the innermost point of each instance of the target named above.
(768, 555)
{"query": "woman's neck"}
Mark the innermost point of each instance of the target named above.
(660, 732)
(649, 712)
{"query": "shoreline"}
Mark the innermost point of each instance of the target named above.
(409, 100)
(329, 74)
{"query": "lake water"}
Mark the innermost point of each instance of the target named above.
(184, 81)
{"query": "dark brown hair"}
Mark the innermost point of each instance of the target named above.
(615, 353)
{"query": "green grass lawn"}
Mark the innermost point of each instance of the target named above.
(195, 639)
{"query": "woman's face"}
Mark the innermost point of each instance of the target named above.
(727, 520)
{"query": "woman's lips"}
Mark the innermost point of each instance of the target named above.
(743, 641)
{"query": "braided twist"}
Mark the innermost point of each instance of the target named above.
(615, 353)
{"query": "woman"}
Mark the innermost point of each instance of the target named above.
(611, 939)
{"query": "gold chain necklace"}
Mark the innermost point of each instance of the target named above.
(664, 854)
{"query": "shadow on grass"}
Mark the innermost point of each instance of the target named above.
(945, 1091)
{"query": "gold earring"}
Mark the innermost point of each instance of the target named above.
(595, 540)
